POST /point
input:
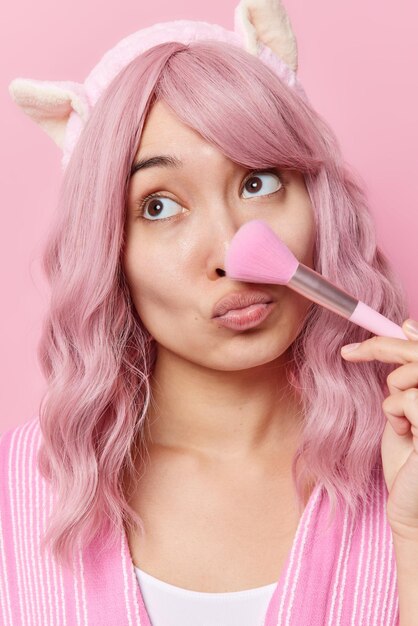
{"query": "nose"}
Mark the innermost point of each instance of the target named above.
(219, 235)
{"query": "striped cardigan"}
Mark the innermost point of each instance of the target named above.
(344, 575)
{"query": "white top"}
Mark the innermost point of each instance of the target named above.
(168, 605)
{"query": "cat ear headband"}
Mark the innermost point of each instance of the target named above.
(62, 108)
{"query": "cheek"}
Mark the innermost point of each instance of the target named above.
(304, 248)
(153, 277)
(298, 232)
(302, 233)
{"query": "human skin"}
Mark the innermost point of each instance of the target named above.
(220, 392)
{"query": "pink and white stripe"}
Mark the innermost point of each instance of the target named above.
(344, 575)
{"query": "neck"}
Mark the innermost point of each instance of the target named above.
(222, 414)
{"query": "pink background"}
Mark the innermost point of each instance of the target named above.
(357, 61)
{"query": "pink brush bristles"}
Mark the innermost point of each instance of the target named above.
(256, 254)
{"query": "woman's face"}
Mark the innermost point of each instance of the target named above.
(174, 267)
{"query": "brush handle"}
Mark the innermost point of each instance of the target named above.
(315, 287)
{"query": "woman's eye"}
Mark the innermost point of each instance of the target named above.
(153, 207)
(255, 183)
(156, 207)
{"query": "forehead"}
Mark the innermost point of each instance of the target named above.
(164, 133)
(162, 125)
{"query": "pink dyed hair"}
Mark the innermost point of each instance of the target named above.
(94, 350)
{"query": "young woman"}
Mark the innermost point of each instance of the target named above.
(181, 471)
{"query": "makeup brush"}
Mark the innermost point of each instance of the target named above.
(257, 255)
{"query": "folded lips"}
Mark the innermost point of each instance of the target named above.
(240, 301)
(239, 308)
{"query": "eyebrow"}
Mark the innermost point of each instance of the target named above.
(162, 160)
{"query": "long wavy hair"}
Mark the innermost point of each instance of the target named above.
(98, 357)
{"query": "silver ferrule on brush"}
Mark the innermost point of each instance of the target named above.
(317, 288)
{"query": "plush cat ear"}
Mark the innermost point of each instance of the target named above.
(266, 21)
(50, 103)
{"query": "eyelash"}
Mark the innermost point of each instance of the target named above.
(142, 202)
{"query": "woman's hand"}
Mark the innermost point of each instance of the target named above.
(400, 437)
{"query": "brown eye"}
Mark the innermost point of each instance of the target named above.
(267, 182)
(155, 206)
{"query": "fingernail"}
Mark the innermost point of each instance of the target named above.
(412, 327)
(350, 347)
